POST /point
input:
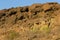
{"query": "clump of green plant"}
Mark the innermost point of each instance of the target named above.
(45, 29)
(12, 35)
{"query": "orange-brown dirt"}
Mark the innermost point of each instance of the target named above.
(35, 22)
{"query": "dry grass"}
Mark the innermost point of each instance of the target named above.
(12, 35)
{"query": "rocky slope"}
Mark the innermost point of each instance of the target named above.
(35, 22)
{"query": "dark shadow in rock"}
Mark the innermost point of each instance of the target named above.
(37, 23)
(12, 13)
(53, 3)
(21, 18)
(2, 14)
(24, 9)
(48, 10)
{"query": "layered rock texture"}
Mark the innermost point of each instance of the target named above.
(35, 22)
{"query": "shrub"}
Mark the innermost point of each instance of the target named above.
(38, 28)
(45, 29)
(12, 35)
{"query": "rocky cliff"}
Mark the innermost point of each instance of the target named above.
(35, 22)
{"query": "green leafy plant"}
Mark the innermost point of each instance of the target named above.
(12, 34)
(45, 29)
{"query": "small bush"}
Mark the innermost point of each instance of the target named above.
(45, 29)
(12, 35)
(38, 28)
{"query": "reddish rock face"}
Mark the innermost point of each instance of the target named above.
(35, 22)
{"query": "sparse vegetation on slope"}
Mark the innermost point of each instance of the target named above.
(35, 22)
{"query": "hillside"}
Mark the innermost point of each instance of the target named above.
(34, 22)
